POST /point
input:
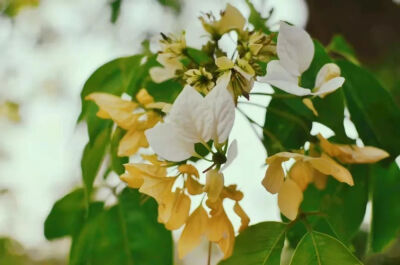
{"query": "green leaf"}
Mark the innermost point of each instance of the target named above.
(173, 4)
(117, 162)
(321, 249)
(113, 77)
(385, 206)
(12, 8)
(93, 155)
(68, 215)
(372, 109)
(340, 46)
(256, 19)
(141, 75)
(115, 10)
(166, 91)
(198, 56)
(127, 233)
(260, 244)
(284, 128)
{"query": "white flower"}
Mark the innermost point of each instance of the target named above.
(295, 50)
(194, 119)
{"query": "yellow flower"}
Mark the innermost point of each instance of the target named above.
(173, 45)
(174, 206)
(352, 154)
(122, 112)
(305, 170)
(220, 229)
(172, 49)
(261, 46)
(170, 65)
(200, 79)
(242, 75)
(231, 19)
(192, 185)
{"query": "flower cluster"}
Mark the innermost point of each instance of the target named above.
(203, 115)
(314, 167)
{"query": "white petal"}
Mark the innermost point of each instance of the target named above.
(231, 154)
(282, 79)
(295, 48)
(326, 73)
(167, 142)
(221, 104)
(192, 115)
(330, 86)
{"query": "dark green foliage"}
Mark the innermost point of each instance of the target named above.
(320, 249)
(115, 10)
(385, 206)
(372, 109)
(259, 244)
(127, 233)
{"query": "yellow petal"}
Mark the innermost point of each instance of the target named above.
(143, 97)
(232, 193)
(290, 197)
(224, 63)
(174, 209)
(154, 160)
(302, 174)
(119, 110)
(368, 154)
(320, 180)
(193, 186)
(309, 104)
(136, 173)
(244, 218)
(195, 229)
(157, 105)
(352, 154)
(220, 231)
(214, 184)
(284, 156)
(274, 176)
(157, 187)
(131, 142)
(188, 169)
(231, 19)
(132, 180)
(328, 166)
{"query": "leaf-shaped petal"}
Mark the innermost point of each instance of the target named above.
(221, 103)
(290, 197)
(282, 79)
(195, 229)
(167, 142)
(192, 115)
(295, 49)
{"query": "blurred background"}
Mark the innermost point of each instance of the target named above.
(49, 48)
